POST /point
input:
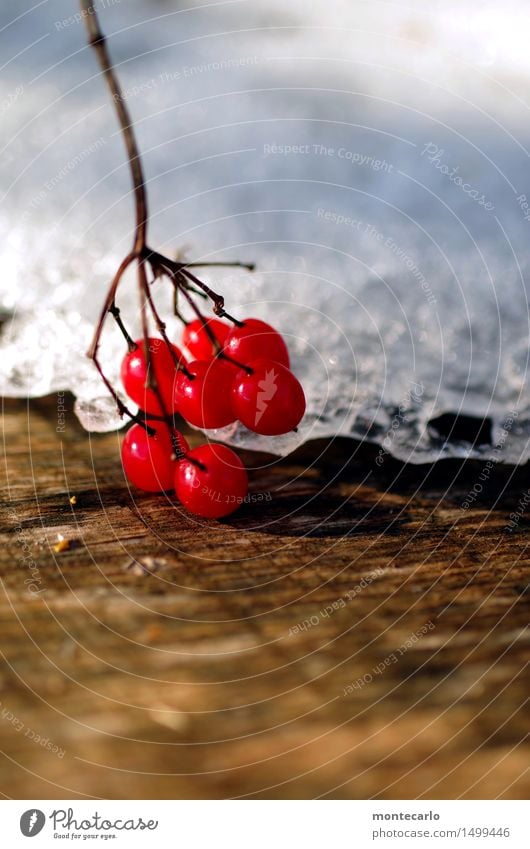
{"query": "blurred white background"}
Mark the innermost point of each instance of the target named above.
(372, 157)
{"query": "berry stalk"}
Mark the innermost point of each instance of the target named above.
(97, 40)
(245, 377)
(178, 273)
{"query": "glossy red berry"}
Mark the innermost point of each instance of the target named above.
(214, 485)
(149, 461)
(134, 375)
(197, 341)
(256, 339)
(269, 401)
(206, 400)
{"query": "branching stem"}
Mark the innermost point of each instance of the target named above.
(97, 40)
(179, 273)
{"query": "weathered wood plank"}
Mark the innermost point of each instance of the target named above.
(197, 677)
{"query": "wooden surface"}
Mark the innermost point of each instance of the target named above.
(190, 676)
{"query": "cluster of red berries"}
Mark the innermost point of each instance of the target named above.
(238, 373)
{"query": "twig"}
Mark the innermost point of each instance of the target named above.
(97, 40)
(178, 272)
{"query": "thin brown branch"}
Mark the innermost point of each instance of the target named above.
(176, 278)
(249, 266)
(180, 269)
(181, 277)
(161, 327)
(152, 382)
(109, 301)
(97, 40)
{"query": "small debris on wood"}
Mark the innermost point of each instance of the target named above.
(168, 718)
(62, 544)
(144, 565)
(73, 500)
(151, 634)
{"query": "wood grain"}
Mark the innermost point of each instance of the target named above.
(253, 657)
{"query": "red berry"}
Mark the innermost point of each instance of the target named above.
(271, 400)
(214, 488)
(256, 339)
(206, 401)
(134, 375)
(197, 341)
(149, 461)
